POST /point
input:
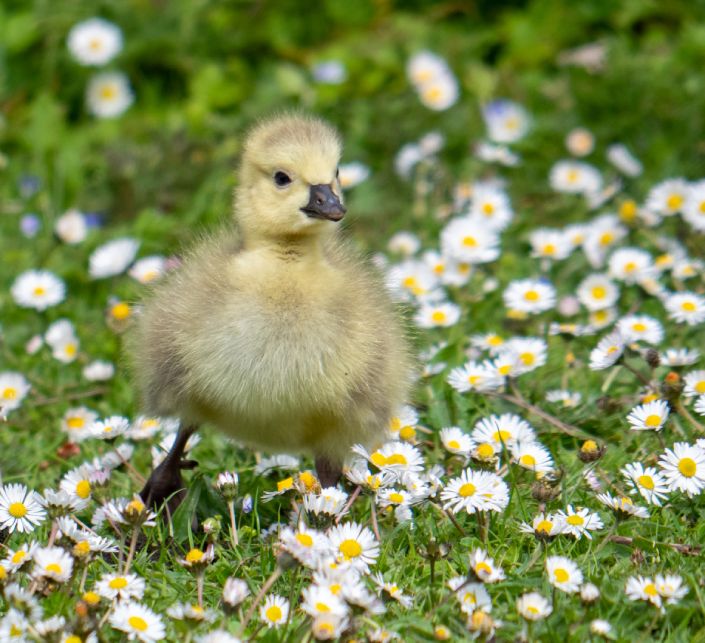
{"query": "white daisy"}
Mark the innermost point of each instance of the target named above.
(694, 383)
(670, 587)
(138, 622)
(607, 352)
(112, 258)
(530, 296)
(684, 467)
(533, 456)
(668, 197)
(543, 526)
(686, 307)
(235, 591)
(569, 399)
(352, 174)
(474, 491)
(308, 546)
(503, 430)
(631, 265)
(533, 606)
(649, 417)
(622, 506)
(694, 208)
(640, 328)
(20, 509)
(650, 484)
(440, 93)
(624, 160)
(679, 356)
(580, 522)
(71, 227)
(506, 121)
(552, 244)
(474, 376)
(575, 177)
(484, 567)
(94, 42)
(13, 389)
(121, 586)
(580, 141)
(53, 563)
(109, 94)
(597, 292)
(354, 544)
(563, 574)
(639, 588)
(531, 352)
(490, 207)
(76, 484)
(148, 269)
(456, 441)
(440, 315)
(98, 371)
(470, 240)
(38, 289)
(110, 427)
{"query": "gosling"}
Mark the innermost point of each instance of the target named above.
(275, 330)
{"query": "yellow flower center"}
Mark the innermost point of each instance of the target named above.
(561, 575)
(532, 610)
(453, 444)
(18, 556)
(410, 282)
(674, 201)
(322, 607)
(495, 340)
(653, 420)
(433, 94)
(285, 484)
(407, 433)
(82, 549)
(688, 307)
(531, 295)
(439, 317)
(194, 556)
(485, 450)
(134, 506)
(606, 238)
(396, 497)
(17, 510)
(120, 311)
(467, 490)
(75, 422)
(39, 291)
(687, 467)
(505, 369)
(9, 393)
(646, 481)
(599, 292)
(528, 460)
(502, 436)
(350, 548)
(137, 623)
(273, 613)
(487, 209)
(335, 588)
(439, 268)
(630, 266)
(627, 211)
(575, 519)
(700, 387)
(307, 479)
(83, 489)
(544, 527)
(91, 598)
(108, 92)
(304, 539)
(527, 359)
(549, 249)
(639, 327)
(649, 398)
(378, 459)
(118, 583)
(470, 242)
(612, 349)
(482, 568)
(73, 639)
(396, 458)
(650, 590)
(572, 176)
(589, 446)
(474, 379)
(53, 568)
(70, 349)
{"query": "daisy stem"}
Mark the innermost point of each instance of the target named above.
(233, 527)
(260, 595)
(84, 575)
(450, 515)
(105, 616)
(682, 410)
(139, 478)
(551, 419)
(373, 516)
(133, 548)
(638, 374)
(52, 533)
(482, 525)
(199, 588)
(348, 504)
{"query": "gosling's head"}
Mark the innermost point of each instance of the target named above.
(288, 183)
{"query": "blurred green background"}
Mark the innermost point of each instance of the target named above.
(202, 71)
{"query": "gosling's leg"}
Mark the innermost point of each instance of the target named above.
(328, 471)
(166, 483)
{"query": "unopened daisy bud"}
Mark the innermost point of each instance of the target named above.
(197, 560)
(544, 491)
(247, 504)
(136, 512)
(672, 386)
(81, 610)
(99, 481)
(211, 527)
(227, 484)
(590, 451)
(286, 561)
(441, 633)
(235, 591)
(652, 358)
(589, 593)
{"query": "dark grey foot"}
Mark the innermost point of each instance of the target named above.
(328, 471)
(166, 484)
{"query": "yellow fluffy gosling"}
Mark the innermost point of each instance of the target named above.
(275, 331)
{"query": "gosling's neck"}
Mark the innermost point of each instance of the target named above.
(299, 249)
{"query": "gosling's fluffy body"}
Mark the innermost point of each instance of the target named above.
(276, 331)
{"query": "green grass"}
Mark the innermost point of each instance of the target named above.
(202, 72)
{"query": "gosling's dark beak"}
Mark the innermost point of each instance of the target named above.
(324, 204)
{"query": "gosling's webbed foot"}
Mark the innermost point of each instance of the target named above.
(328, 471)
(166, 483)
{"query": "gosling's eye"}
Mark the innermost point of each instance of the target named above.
(282, 179)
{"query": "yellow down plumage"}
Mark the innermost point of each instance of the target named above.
(274, 329)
